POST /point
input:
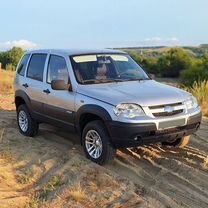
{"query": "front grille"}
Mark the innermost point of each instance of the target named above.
(162, 106)
(162, 111)
(167, 113)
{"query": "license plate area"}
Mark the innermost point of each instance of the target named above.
(171, 124)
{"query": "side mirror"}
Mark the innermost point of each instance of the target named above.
(152, 76)
(59, 85)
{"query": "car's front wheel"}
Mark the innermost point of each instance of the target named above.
(27, 125)
(180, 142)
(96, 143)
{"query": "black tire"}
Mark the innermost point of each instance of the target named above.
(108, 151)
(32, 127)
(178, 143)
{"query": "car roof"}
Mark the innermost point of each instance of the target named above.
(75, 51)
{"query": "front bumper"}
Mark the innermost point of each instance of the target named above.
(131, 134)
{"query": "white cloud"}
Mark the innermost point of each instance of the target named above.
(24, 44)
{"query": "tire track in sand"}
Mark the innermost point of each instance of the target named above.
(169, 177)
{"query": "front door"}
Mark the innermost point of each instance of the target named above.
(58, 104)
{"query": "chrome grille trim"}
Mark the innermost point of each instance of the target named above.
(161, 114)
(161, 106)
(159, 111)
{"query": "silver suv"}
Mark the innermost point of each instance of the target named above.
(103, 95)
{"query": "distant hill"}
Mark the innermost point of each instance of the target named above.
(157, 50)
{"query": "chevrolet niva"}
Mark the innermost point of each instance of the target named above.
(105, 96)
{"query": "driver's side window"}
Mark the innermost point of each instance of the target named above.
(57, 69)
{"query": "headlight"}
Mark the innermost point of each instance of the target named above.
(191, 102)
(128, 110)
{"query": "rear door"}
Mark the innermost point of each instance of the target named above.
(20, 73)
(59, 104)
(33, 83)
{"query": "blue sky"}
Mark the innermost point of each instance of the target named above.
(107, 23)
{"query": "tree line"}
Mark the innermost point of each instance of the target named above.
(180, 63)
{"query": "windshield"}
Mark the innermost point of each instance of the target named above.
(101, 68)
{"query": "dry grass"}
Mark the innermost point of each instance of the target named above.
(6, 81)
(39, 199)
(34, 202)
(52, 184)
(200, 91)
(6, 90)
(24, 177)
(77, 193)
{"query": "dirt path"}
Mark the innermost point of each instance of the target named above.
(149, 176)
(170, 177)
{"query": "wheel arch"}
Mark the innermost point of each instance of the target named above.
(90, 112)
(22, 98)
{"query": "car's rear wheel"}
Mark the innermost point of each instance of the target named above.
(27, 125)
(96, 143)
(180, 142)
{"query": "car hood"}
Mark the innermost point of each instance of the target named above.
(144, 93)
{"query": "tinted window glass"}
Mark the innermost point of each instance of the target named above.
(57, 69)
(100, 68)
(36, 66)
(23, 63)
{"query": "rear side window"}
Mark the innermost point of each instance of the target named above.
(57, 69)
(22, 65)
(36, 66)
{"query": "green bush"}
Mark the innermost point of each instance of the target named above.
(148, 63)
(189, 76)
(11, 56)
(198, 72)
(172, 62)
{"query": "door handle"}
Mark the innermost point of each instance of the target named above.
(47, 91)
(25, 85)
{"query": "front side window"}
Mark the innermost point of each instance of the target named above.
(100, 68)
(36, 66)
(22, 65)
(57, 69)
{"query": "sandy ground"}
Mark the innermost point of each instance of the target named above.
(50, 170)
(169, 177)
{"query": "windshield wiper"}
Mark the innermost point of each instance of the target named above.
(137, 79)
(114, 80)
(91, 81)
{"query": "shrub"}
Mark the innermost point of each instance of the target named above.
(172, 62)
(148, 63)
(198, 72)
(11, 56)
(189, 76)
